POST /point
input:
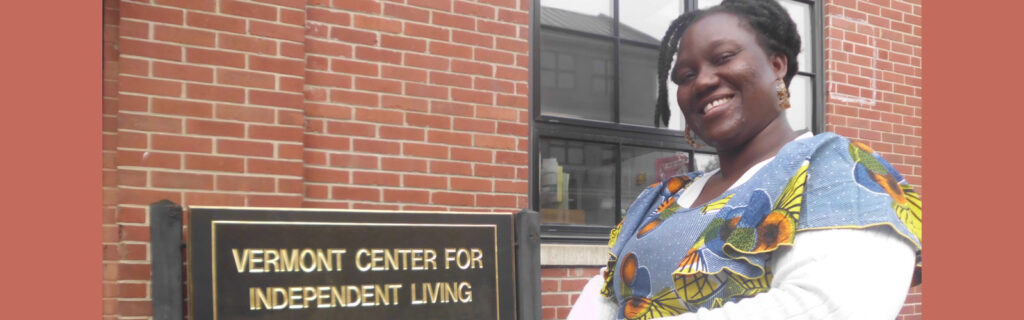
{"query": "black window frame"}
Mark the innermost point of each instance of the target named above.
(624, 134)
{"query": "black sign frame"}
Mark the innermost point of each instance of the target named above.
(204, 222)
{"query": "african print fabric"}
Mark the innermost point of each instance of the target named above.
(667, 260)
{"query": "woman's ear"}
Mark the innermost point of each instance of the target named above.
(780, 64)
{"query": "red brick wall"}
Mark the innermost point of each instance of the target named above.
(873, 74)
(362, 104)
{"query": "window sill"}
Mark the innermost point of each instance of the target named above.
(583, 255)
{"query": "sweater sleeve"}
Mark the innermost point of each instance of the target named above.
(830, 274)
(591, 305)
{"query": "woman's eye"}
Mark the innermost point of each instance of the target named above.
(724, 57)
(683, 77)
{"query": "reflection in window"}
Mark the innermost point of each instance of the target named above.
(577, 182)
(642, 167)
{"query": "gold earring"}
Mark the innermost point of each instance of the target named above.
(689, 138)
(783, 93)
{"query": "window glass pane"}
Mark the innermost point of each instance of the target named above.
(638, 85)
(574, 93)
(646, 20)
(801, 103)
(704, 4)
(801, 15)
(642, 167)
(577, 182)
(590, 16)
(705, 162)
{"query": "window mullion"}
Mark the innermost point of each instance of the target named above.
(615, 61)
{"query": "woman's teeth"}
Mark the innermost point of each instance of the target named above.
(715, 104)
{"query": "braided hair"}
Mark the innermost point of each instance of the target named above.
(776, 33)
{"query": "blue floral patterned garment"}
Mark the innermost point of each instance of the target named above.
(667, 260)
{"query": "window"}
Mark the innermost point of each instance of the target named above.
(594, 85)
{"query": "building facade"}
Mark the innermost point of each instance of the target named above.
(426, 105)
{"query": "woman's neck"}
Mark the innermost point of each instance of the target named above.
(735, 161)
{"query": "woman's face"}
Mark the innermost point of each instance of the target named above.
(727, 83)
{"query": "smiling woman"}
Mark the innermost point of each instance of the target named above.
(786, 226)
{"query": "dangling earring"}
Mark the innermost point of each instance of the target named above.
(690, 138)
(783, 93)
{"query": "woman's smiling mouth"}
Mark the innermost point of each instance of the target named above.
(717, 103)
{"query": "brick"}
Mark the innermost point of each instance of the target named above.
(294, 17)
(496, 28)
(376, 146)
(379, 55)
(350, 128)
(353, 161)
(326, 175)
(278, 167)
(494, 142)
(401, 133)
(245, 183)
(372, 23)
(465, 7)
(403, 73)
(368, 6)
(454, 21)
(403, 43)
(354, 67)
(217, 93)
(245, 148)
(451, 79)
(424, 181)
(277, 31)
(276, 99)
(182, 180)
(248, 9)
(181, 143)
(284, 66)
(247, 44)
(378, 85)
(426, 61)
(426, 31)
(150, 86)
(406, 12)
(451, 108)
(148, 159)
(146, 12)
(245, 78)
(521, 130)
(477, 125)
(149, 123)
(329, 16)
(451, 50)
(354, 36)
(184, 36)
(452, 198)
(470, 154)
(215, 128)
(406, 196)
(488, 200)
(129, 29)
(470, 184)
(276, 133)
(403, 103)
(512, 158)
(369, 178)
(244, 113)
(427, 91)
(495, 56)
(374, 206)
(215, 22)
(214, 163)
(449, 137)
(355, 97)
(519, 187)
(451, 168)
(424, 150)
(485, 170)
(355, 193)
(215, 57)
(380, 116)
(144, 197)
(473, 38)
(127, 66)
(182, 72)
(403, 164)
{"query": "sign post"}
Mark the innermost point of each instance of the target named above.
(252, 263)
